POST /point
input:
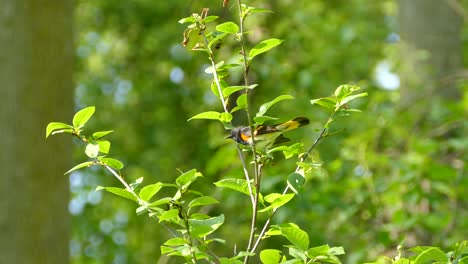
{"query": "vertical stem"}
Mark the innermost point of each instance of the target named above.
(257, 167)
(286, 189)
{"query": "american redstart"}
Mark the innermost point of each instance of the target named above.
(266, 135)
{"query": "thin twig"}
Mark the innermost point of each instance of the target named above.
(257, 168)
(298, 168)
(246, 173)
(215, 73)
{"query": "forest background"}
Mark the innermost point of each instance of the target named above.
(394, 174)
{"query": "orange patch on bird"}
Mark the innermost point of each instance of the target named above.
(245, 137)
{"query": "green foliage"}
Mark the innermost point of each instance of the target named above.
(376, 179)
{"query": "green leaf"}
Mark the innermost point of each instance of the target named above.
(81, 165)
(463, 260)
(113, 163)
(241, 103)
(264, 46)
(228, 27)
(82, 116)
(92, 150)
(136, 183)
(204, 200)
(223, 117)
(271, 256)
(264, 108)
(210, 69)
(100, 134)
(187, 178)
(58, 127)
(239, 185)
(175, 241)
(294, 234)
(189, 19)
(298, 254)
(141, 210)
(229, 261)
(351, 97)
(232, 89)
(259, 120)
(336, 251)
(209, 19)
(215, 39)
(165, 200)
(288, 151)
(104, 146)
(200, 228)
(318, 251)
(344, 90)
(431, 254)
(147, 192)
(276, 200)
(169, 215)
(327, 102)
(402, 261)
(214, 87)
(295, 182)
(252, 10)
(118, 191)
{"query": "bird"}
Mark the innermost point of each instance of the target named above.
(266, 136)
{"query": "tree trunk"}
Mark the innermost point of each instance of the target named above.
(36, 58)
(431, 34)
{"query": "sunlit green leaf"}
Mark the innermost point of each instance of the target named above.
(82, 116)
(118, 191)
(175, 241)
(201, 228)
(147, 192)
(239, 185)
(430, 254)
(264, 107)
(165, 200)
(345, 90)
(228, 27)
(276, 200)
(264, 46)
(58, 127)
(294, 234)
(189, 19)
(210, 69)
(113, 163)
(81, 165)
(92, 150)
(187, 178)
(204, 200)
(104, 146)
(232, 89)
(318, 251)
(241, 103)
(271, 256)
(212, 115)
(169, 215)
(327, 102)
(259, 120)
(209, 19)
(336, 251)
(100, 134)
(351, 97)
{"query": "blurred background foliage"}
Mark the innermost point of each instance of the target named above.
(387, 178)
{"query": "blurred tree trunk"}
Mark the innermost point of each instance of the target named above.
(431, 34)
(35, 88)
